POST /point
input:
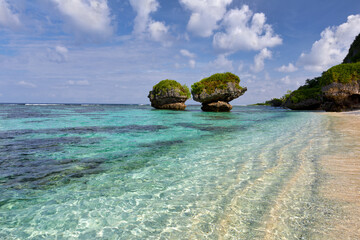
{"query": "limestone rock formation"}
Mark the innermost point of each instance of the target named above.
(228, 94)
(218, 106)
(306, 104)
(169, 94)
(338, 89)
(341, 96)
(216, 91)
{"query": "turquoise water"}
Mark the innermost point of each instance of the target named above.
(132, 172)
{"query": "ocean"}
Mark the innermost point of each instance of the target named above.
(133, 172)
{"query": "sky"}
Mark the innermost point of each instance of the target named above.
(114, 51)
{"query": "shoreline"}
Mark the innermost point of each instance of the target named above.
(343, 170)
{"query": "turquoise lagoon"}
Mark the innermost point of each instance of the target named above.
(133, 172)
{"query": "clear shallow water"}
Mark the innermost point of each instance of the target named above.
(131, 172)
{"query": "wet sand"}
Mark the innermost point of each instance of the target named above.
(343, 170)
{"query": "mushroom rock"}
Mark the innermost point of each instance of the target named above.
(216, 91)
(169, 94)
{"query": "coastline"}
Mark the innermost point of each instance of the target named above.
(342, 168)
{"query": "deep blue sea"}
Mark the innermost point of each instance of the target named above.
(133, 172)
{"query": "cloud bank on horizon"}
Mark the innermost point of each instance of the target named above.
(115, 51)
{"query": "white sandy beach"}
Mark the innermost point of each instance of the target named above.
(343, 183)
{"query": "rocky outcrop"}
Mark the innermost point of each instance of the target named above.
(339, 97)
(307, 104)
(218, 106)
(170, 99)
(333, 97)
(218, 101)
(169, 94)
(228, 94)
(338, 89)
(216, 91)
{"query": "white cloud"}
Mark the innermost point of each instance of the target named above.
(259, 60)
(8, 18)
(245, 31)
(221, 63)
(144, 24)
(333, 46)
(26, 84)
(86, 18)
(59, 54)
(205, 15)
(288, 69)
(187, 53)
(285, 80)
(143, 9)
(78, 83)
(158, 31)
(192, 63)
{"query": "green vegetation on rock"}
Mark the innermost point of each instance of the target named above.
(303, 94)
(167, 84)
(218, 80)
(354, 52)
(278, 102)
(317, 93)
(342, 73)
(311, 90)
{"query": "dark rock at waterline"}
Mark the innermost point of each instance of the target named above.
(218, 106)
(306, 104)
(339, 97)
(171, 106)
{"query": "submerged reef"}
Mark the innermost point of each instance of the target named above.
(216, 91)
(169, 94)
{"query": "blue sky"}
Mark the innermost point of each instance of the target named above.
(98, 51)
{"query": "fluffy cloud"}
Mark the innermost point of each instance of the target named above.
(186, 53)
(333, 46)
(8, 18)
(221, 63)
(245, 31)
(59, 54)
(143, 9)
(158, 31)
(190, 55)
(285, 80)
(259, 60)
(144, 24)
(86, 18)
(288, 69)
(205, 15)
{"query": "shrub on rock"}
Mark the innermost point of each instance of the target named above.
(169, 94)
(216, 91)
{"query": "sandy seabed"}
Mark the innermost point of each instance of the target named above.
(343, 169)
